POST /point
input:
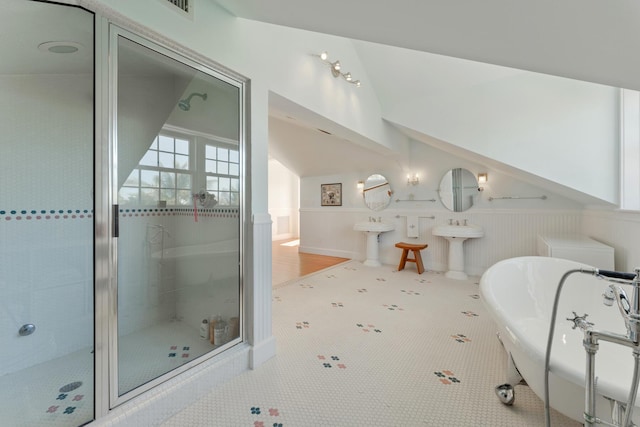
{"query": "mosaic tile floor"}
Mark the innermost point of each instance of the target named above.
(371, 346)
(36, 396)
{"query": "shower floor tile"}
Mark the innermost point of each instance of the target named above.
(33, 397)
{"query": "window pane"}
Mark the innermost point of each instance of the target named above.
(165, 160)
(225, 184)
(210, 152)
(168, 195)
(223, 154)
(212, 183)
(224, 198)
(184, 181)
(184, 198)
(235, 197)
(223, 168)
(167, 180)
(211, 166)
(133, 179)
(234, 169)
(150, 158)
(154, 144)
(182, 162)
(149, 178)
(166, 143)
(235, 184)
(128, 196)
(234, 156)
(149, 196)
(182, 146)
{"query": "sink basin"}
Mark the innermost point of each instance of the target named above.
(455, 235)
(372, 230)
(376, 227)
(462, 231)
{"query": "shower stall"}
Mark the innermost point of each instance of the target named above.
(122, 213)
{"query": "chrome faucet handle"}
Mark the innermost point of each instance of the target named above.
(580, 321)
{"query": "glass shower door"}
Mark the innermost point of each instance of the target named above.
(178, 214)
(46, 215)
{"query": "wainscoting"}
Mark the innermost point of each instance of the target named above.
(508, 233)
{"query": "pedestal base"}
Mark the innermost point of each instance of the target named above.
(373, 259)
(456, 259)
(372, 263)
(458, 275)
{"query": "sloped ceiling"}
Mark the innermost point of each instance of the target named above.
(591, 40)
(586, 40)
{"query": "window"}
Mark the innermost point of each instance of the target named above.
(630, 150)
(222, 171)
(177, 165)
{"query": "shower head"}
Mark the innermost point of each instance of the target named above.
(185, 104)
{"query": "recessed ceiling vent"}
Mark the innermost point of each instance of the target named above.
(184, 7)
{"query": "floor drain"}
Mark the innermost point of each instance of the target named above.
(70, 387)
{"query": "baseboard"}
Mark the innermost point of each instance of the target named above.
(262, 352)
(328, 252)
(162, 402)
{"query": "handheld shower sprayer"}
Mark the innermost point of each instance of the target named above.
(185, 104)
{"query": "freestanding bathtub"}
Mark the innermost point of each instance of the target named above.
(519, 294)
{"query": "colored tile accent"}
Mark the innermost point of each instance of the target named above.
(469, 313)
(255, 410)
(460, 338)
(301, 325)
(446, 377)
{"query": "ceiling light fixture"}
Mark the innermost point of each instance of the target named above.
(60, 47)
(336, 69)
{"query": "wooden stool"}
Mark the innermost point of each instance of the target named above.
(406, 247)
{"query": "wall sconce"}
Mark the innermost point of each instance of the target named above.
(360, 186)
(336, 69)
(483, 178)
(413, 179)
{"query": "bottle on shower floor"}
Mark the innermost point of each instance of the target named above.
(220, 330)
(204, 329)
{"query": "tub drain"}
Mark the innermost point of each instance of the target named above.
(70, 387)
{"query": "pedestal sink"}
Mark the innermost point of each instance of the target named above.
(456, 235)
(372, 230)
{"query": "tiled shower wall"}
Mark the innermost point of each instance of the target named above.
(155, 289)
(46, 279)
(46, 217)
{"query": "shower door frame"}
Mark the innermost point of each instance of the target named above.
(107, 34)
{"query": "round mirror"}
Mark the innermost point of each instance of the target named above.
(377, 192)
(458, 189)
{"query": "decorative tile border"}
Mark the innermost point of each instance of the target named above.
(44, 214)
(212, 213)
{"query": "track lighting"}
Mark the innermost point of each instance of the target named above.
(336, 69)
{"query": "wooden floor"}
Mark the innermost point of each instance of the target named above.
(289, 264)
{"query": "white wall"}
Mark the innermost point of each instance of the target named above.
(619, 229)
(511, 226)
(284, 188)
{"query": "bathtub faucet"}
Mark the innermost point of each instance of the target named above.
(629, 308)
